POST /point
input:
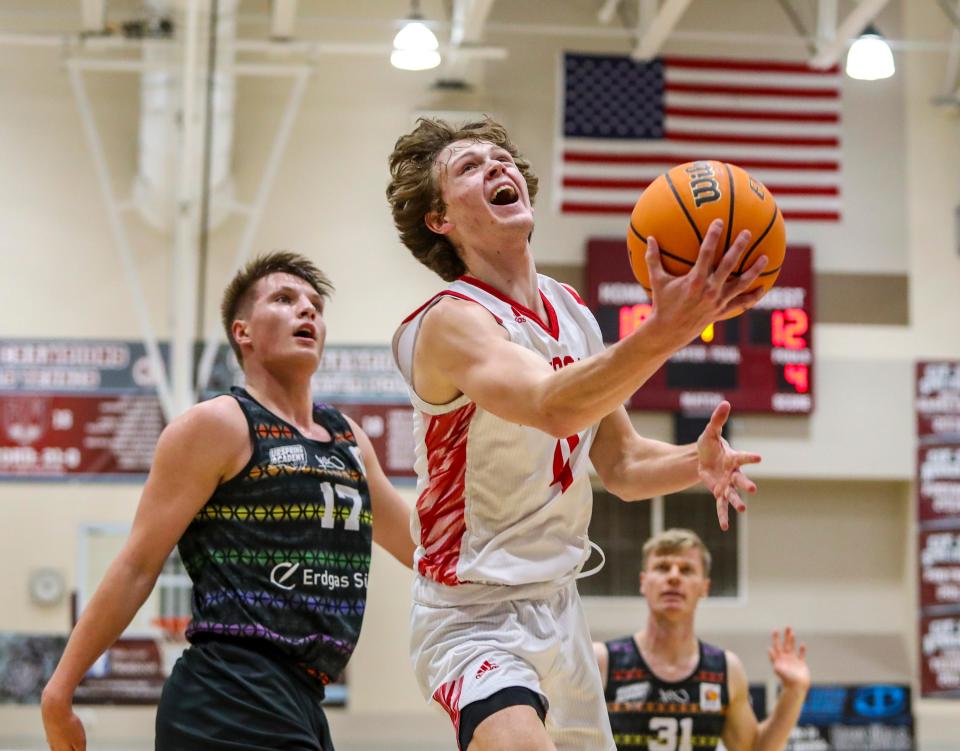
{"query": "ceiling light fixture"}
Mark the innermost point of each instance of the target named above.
(870, 58)
(415, 45)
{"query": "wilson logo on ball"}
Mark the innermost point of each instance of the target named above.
(703, 183)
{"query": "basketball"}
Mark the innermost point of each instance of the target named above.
(677, 209)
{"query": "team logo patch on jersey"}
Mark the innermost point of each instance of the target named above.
(330, 462)
(633, 692)
(294, 455)
(710, 697)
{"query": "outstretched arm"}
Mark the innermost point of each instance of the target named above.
(391, 514)
(187, 467)
(461, 349)
(633, 467)
(742, 732)
(789, 664)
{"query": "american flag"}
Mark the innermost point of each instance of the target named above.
(626, 122)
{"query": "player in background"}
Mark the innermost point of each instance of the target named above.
(668, 691)
(271, 499)
(515, 395)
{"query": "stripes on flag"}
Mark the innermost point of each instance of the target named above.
(626, 122)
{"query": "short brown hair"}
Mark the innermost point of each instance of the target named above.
(676, 540)
(414, 192)
(238, 294)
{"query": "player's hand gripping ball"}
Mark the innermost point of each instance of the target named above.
(677, 209)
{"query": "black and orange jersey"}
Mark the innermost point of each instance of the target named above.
(281, 552)
(649, 713)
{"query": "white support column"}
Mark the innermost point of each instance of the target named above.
(646, 14)
(466, 29)
(280, 140)
(653, 38)
(855, 22)
(183, 281)
(121, 241)
(607, 11)
(826, 23)
(282, 18)
(951, 78)
(92, 15)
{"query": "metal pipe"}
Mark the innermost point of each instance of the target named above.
(256, 212)
(121, 241)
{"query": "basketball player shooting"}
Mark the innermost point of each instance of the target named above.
(515, 395)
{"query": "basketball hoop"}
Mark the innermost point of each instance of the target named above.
(173, 627)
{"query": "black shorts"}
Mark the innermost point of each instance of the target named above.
(235, 696)
(476, 712)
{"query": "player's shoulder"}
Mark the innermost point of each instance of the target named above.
(220, 416)
(459, 317)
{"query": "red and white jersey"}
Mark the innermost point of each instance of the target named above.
(503, 508)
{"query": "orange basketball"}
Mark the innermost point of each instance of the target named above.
(677, 209)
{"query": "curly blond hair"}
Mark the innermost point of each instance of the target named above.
(414, 191)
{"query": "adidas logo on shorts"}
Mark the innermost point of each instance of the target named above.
(486, 667)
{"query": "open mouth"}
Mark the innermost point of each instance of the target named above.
(504, 195)
(305, 332)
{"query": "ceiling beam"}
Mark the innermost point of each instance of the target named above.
(652, 38)
(283, 14)
(851, 26)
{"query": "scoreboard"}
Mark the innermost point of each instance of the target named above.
(761, 361)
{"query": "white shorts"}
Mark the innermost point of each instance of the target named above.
(467, 653)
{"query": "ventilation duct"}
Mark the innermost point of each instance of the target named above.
(155, 186)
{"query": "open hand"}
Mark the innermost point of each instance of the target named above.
(719, 466)
(691, 302)
(788, 660)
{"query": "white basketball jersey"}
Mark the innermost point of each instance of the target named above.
(499, 503)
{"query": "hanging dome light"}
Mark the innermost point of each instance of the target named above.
(415, 45)
(870, 58)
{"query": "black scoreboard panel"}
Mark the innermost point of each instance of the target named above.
(761, 361)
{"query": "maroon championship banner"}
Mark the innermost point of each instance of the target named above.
(938, 484)
(88, 410)
(50, 436)
(937, 401)
(939, 552)
(390, 429)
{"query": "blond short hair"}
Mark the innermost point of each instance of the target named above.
(676, 540)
